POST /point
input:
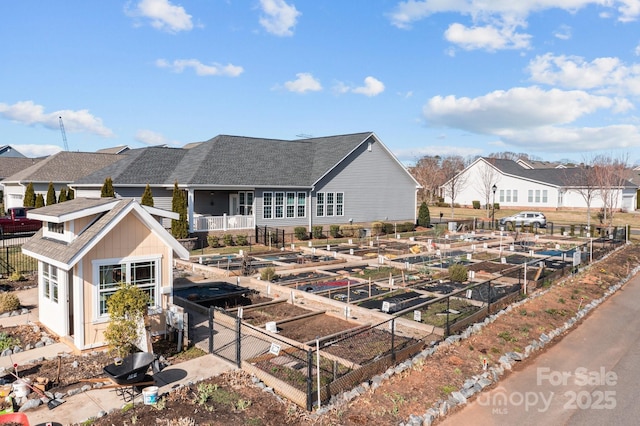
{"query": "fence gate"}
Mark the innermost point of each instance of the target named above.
(270, 237)
(224, 330)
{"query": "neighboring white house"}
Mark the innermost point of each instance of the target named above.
(518, 186)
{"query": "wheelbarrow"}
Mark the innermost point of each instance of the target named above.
(128, 374)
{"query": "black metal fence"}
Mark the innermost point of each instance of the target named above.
(12, 261)
(311, 373)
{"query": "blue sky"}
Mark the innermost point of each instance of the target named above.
(557, 79)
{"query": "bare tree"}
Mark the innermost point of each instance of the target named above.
(583, 180)
(452, 167)
(428, 173)
(610, 178)
(488, 177)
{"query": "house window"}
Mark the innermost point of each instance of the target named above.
(515, 195)
(141, 273)
(339, 204)
(537, 195)
(302, 202)
(501, 196)
(50, 282)
(530, 196)
(267, 205)
(544, 196)
(320, 204)
(245, 203)
(291, 204)
(508, 195)
(330, 204)
(56, 228)
(279, 205)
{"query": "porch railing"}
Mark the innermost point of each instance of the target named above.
(222, 223)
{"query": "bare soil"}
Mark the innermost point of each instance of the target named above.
(411, 392)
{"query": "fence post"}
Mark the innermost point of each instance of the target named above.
(211, 329)
(238, 340)
(448, 330)
(310, 380)
(393, 334)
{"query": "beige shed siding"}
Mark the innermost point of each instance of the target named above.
(130, 238)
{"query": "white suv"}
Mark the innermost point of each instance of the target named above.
(535, 219)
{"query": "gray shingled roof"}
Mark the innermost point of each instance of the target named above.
(72, 206)
(63, 252)
(12, 165)
(64, 166)
(232, 160)
(552, 176)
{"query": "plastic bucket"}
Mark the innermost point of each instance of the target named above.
(150, 395)
(21, 388)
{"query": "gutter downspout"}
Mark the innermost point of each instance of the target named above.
(311, 209)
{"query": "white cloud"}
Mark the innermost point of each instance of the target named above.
(163, 14)
(279, 18)
(33, 151)
(151, 138)
(520, 107)
(27, 112)
(305, 82)
(563, 32)
(179, 65)
(530, 117)
(604, 75)
(495, 22)
(486, 37)
(372, 87)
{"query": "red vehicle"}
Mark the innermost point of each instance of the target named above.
(16, 221)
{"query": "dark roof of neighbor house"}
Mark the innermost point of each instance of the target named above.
(64, 166)
(120, 149)
(232, 160)
(9, 151)
(13, 165)
(553, 176)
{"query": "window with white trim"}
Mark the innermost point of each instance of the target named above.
(245, 203)
(320, 204)
(515, 195)
(56, 228)
(143, 273)
(530, 197)
(508, 195)
(291, 204)
(50, 282)
(267, 205)
(330, 204)
(302, 204)
(279, 205)
(545, 196)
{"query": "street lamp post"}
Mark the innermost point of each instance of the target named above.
(494, 188)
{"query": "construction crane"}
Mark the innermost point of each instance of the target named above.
(64, 134)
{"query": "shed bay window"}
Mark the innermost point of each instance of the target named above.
(143, 273)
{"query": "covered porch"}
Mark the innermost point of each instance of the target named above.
(215, 209)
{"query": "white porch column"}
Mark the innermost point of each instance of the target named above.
(190, 202)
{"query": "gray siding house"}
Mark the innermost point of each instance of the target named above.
(235, 182)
